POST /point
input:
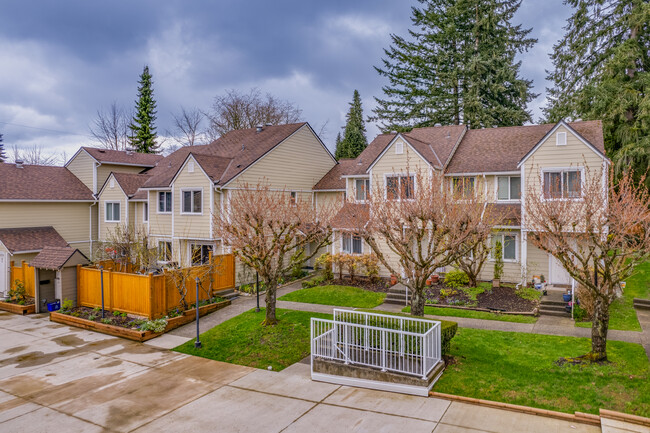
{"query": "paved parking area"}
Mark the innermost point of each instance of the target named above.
(54, 378)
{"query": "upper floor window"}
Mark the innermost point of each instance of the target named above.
(192, 202)
(293, 198)
(400, 187)
(362, 187)
(112, 212)
(145, 212)
(351, 244)
(508, 188)
(164, 201)
(562, 184)
(463, 187)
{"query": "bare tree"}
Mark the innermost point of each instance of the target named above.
(187, 125)
(237, 110)
(33, 155)
(264, 227)
(599, 236)
(423, 223)
(111, 127)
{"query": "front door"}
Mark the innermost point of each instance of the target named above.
(3, 273)
(559, 275)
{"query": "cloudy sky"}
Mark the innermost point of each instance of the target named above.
(61, 61)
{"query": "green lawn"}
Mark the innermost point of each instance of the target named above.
(520, 369)
(243, 340)
(341, 296)
(621, 313)
(454, 312)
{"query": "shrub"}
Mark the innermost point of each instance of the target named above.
(498, 260)
(67, 306)
(370, 263)
(529, 293)
(317, 281)
(92, 317)
(456, 279)
(445, 293)
(105, 321)
(298, 259)
(447, 332)
(579, 313)
(157, 325)
(18, 292)
(324, 262)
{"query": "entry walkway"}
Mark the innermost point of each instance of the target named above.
(54, 378)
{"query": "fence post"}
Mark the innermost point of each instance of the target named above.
(383, 350)
(78, 284)
(424, 358)
(110, 290)
(151, 296)
(347, 343)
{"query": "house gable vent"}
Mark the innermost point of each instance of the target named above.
(560, 139)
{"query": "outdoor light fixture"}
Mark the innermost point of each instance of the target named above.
(197, 343)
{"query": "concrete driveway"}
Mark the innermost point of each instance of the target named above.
(61, 379)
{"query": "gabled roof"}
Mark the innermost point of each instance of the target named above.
(123, 157)
(129, 182)
(40, 182)
(55, 258)
(351, 216)
(333, 180)
(22, 239)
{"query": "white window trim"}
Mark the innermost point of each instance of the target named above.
(201, 244)
(517, 246)
(581, 169)
(106, 220)
(557, 138)
(496, 189)
(400, 175)
(171, 250)
(351, 240)
(451, 187)
(399, 147)
(158, 211)
(145, 212)
(354, 187)
(293, 198)
(182, 190)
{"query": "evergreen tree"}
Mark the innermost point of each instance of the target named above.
(457, 66)
(338, 150)
(354, 137)
(143, 131)
(3, 154)
(602, 71)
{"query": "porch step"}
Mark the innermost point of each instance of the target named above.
(228, 294)
(553, 310)
(397, 295)
(642, 304)
(545, 302)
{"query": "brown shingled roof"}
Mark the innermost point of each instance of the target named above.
(54, 257)
(351, 216)
(40, 182)
(130, 182)
(501, 149)
(333, 179)
(120, 157)
(31, 238)
(505, 214)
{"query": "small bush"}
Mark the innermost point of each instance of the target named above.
(298, 259)
(317, 281)
(18, 292)
(105, 321)
(498, 260)
(157, 325)
(371, 264)
(456, 279)
(324, 262)
(445, 293)
(92, 317)
(67, 306)
(579, 313)
(447, 332)
(529, 293)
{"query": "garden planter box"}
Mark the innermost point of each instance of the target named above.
(18, 309)
(134, 334)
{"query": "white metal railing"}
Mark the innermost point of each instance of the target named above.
(390, 343)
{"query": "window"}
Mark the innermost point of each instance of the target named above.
(560, 139)
(563, 184)
(351, 244)
(200, 253)
(112, 212)
(145, 212)
(190, 167)
(508, 246)
(399, 148)
(463, 187)
(508, 188)
(165, 251)
(293, 198)
(164, 201)
(362, 186)
(192, 201)
(400, 187)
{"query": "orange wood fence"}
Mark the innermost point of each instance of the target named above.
(24, 273)
(153, 295)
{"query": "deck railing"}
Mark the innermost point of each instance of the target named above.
(390, 343)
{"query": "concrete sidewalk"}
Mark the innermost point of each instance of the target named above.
(54, 378)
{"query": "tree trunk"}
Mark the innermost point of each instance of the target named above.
(417, 302)
(271, 292)
(599, 327)
(473, 280)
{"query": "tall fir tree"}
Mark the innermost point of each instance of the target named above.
(3, 154)
(354, 136)
(457, 66)
(602, 72)
(143, 131)
(338, 150)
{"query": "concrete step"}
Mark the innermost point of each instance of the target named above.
(395, 301)
(554, 313)
(642, 304)
(397, 297)
(552, 307)
(228, 294)
(551, 302)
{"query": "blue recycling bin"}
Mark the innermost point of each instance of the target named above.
(53, 306)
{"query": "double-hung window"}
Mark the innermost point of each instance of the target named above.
(192, 202)
(508, 246)
(351, 244)
(164, 202)
(145, 212)
(463, 187)
(562, 184)
(200, 253)
(165, 251)
(508, 188)
(112, 212)
(362, 187)
(400, 187)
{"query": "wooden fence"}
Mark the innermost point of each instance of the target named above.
(24, 273)
(153, 295)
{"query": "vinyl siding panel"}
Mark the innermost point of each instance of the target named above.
(192, 226)
(390, 162)
(83, 166)
(297, 163)
(71, 220)
(324, 199)
(105, 169)
(69, 284)
(159, 224)
(538, 261)
(109, 194)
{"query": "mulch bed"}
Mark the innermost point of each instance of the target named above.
(501, 298)
(115, 320)
(28, 301)
(382, 285)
